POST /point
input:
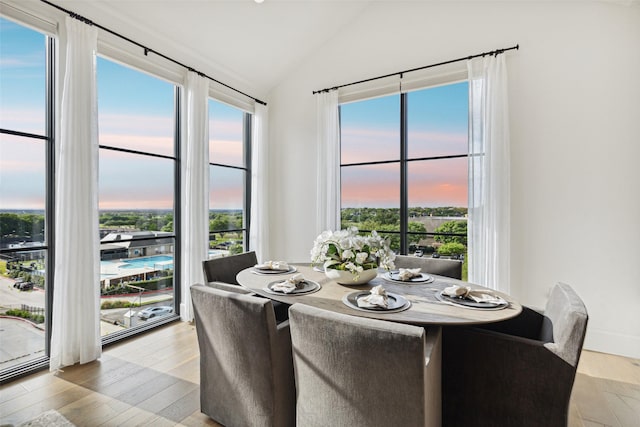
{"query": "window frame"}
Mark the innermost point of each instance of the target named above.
(177, 205)
(403, 162)
(49, 139)
(247, 139)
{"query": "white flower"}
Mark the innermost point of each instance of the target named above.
(347, 250)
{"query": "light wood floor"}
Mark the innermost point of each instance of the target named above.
(153, 380)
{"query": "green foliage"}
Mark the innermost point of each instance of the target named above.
(28, 227)
(236, 249)
(452, 248)
(36, 318)
(137, 220)
(117, 304)
(225, 220)
(149, 285)
(452, 227)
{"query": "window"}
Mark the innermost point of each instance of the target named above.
(137, 197)
(229, 178)
(404, 169)
(26, 196)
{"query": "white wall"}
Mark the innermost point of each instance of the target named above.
(575, 126)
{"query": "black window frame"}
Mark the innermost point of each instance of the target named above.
(404, 162)
(247, 120)
(48, 138)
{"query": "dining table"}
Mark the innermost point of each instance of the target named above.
(418, 302)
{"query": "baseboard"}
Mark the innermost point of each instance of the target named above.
(612, 343)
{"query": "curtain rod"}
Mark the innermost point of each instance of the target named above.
(147, 49)
(493, 52)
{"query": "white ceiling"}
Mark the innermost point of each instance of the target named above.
(247, 45)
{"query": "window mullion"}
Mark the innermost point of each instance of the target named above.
(247, 178)
(404, 190)
(177, 206)
(50, 189)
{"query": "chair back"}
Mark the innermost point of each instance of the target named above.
(226, 268)
(353, 371)
(442, 267)
(246, 367)
(565, 323)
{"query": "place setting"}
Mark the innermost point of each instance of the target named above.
(408, 275)
(274, 267)
(463, 296)
(377, 299)
(294, 285)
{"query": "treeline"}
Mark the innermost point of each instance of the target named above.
(25, 226)
(451, 238)
(137, 220)
(155, 221)
(391, 216)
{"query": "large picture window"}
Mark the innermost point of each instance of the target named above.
(26, 196)
(229, 149)
(137, 197)
(404, 169)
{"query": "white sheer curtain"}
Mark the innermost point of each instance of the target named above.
(328, 163)
(75, 330)
(259, 232)
(489, 174)
(195, 172)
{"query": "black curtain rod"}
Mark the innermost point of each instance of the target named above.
(493, 52)
(146, 49)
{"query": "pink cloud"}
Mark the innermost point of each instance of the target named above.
(227, 152)
(27, 120)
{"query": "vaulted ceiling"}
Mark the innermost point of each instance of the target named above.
(248, 45)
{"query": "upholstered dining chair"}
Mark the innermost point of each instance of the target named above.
(518, 372)
(442, 267)
(353, 371)
(221, 273)
(225, 269)
(246, 367)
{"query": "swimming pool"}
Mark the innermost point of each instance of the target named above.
(150, 261)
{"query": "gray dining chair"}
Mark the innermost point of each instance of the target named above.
(440, 266)
(246, 366)
(353, 371)
(518, 372)
(225, 269)
(221, 273)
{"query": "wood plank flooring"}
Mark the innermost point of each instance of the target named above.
(153, 380)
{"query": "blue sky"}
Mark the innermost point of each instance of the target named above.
(136, 111)
(437, 126)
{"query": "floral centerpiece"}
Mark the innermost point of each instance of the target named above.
(348, 251)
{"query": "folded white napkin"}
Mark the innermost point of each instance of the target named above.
(477, 296)
(377, 298)
(288, 285)
(274, 265)
(480, 296)
(408, 273)
(456, 291)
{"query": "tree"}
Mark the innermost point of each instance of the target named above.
(452, 248)
(452, 227)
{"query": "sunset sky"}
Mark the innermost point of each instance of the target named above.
(437, 126)
(136, 111)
